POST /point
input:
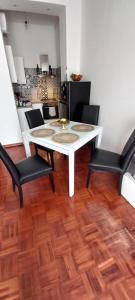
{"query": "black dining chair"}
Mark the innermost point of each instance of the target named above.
(35, 119)
(26, 170)
(103, 160)
(90, 115)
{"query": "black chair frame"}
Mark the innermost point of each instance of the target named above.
(103, 160)
(90, 115)
(27, 170)
(35, 119)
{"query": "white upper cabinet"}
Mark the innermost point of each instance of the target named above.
(19, 66)
(16, 66)
(11, 65)
(3, 23)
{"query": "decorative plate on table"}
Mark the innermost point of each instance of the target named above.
(55, 123)
(83, 127)
(65, 138)
(42, 132)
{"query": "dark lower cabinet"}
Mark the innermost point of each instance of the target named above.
(74, 95)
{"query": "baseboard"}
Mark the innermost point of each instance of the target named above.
(13, 145)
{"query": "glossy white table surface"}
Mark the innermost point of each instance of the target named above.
(68, 149)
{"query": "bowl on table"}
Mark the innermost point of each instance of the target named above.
(63, 122)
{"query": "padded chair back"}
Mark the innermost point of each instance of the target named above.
(34, 118)
(9, 165)
(128, 152)
(90, 114)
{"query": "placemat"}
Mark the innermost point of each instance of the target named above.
(55, 123)
(82, 127)
(42, 132)
(65, 138)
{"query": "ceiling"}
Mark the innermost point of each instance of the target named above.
(31, 6)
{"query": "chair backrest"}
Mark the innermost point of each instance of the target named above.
(34, 118)
(90, 114)
(9, 164)
(128, 152)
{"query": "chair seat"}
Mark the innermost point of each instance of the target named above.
(43, 148)
(33, 168)
(106, 161)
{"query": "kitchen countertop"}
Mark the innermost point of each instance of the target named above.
(45, 101)
(20, 107)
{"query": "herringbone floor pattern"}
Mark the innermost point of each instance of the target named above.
(58, 248)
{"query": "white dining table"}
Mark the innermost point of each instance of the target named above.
(67, 149)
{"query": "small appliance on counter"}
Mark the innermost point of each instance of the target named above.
(50, 111)
(23, 103)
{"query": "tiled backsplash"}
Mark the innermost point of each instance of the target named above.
(34, 84)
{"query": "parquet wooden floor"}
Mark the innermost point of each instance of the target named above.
(58, 248)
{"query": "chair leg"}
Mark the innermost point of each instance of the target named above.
(20, 196)
(92, 148)
(120, 183)
(88, 178)
(36, 150)
(13, 184)
(52, 182)
(47, 155)
(52, 160)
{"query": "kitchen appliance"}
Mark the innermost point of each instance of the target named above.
(50, 111)
(73, 94)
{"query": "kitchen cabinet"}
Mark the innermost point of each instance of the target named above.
(11, 65)
(19, 66)
(16, 66)
(3, 22)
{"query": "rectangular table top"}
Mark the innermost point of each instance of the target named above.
(83, 137)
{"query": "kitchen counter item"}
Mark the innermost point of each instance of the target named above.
(65, 138)
(83, 127)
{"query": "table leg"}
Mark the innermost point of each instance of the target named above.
(98, 139)
(26, 146)
(71, 174)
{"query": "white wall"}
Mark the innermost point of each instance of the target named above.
(73, 32)
(9, 124)
(73, 29)
(70, 35)
(108, 60)
(40, 36)
(59, 2)
(63, 48)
